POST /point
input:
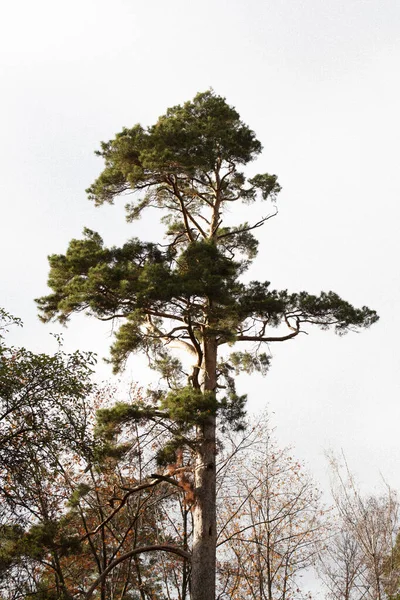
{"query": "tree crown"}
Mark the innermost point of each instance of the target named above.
(188, 291)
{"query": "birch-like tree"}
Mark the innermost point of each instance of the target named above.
(359, 562)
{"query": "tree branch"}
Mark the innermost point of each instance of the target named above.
(183, 210)
(255, 338)
(158, 479)
(245, 229)
(162, 547)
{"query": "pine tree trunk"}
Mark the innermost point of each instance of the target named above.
(204, 515)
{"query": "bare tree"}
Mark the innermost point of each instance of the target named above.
(342, 566)
(357, 562)
(273, 519)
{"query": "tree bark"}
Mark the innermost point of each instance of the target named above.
(203, 577)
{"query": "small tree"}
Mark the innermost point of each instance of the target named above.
(342, 567)
(271, 520)
(188, 293)
(43, 415)
(359, 560)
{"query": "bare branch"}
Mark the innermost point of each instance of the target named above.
(256, 338)
(157, 548)
(250, 228)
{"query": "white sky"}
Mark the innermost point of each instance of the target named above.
(318, 81)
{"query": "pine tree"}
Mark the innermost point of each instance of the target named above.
(189, 292)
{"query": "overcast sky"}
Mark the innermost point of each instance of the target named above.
(318, 81)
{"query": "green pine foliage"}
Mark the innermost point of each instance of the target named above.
(189, 166)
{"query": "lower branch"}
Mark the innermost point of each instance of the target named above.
(157, 479)
(163, 547)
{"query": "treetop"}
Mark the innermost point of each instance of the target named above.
(193, 151)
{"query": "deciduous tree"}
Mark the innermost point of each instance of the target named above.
(70, 505)
(271, 519)
(358, 561)
(43, 414)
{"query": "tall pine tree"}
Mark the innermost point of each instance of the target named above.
(188, 293)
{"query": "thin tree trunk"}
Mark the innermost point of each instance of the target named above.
(203, 577)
